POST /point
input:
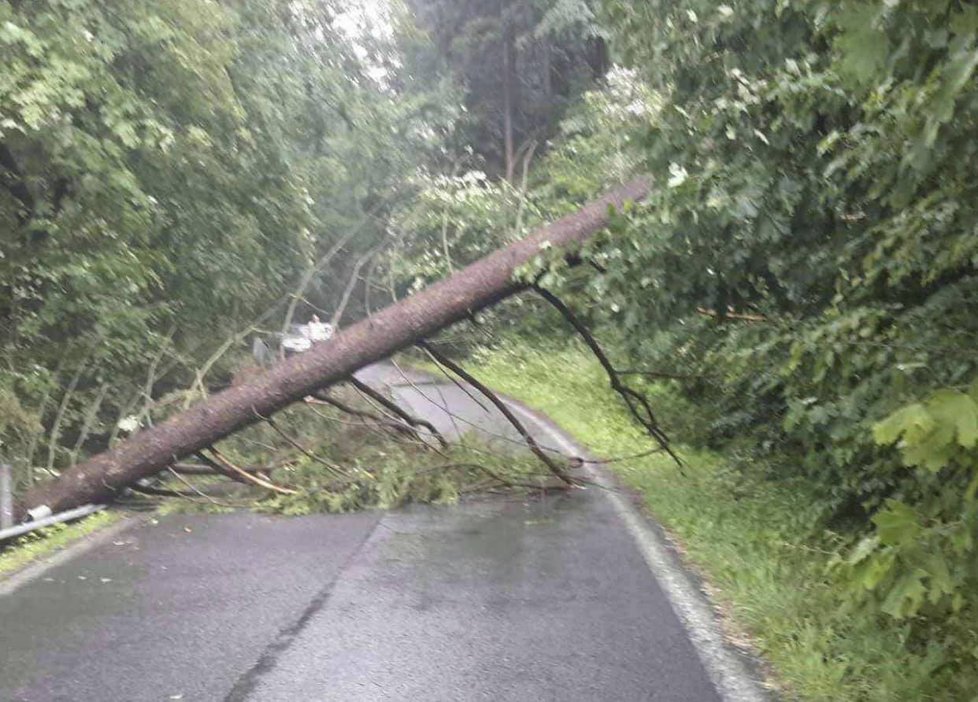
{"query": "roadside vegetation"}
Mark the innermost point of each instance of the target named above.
(45, 542)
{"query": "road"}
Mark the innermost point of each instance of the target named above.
(555, 598)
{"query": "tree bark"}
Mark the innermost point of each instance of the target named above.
(375, 338)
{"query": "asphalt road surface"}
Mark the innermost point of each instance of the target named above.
(555, 598)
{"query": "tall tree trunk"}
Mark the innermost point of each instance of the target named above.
(508, 83)
(400, 325)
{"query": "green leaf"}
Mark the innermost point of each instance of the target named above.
(913, 419)
(897, 524)
(906, 595)
(959, 411)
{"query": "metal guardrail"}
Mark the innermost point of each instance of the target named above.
(6, 496)
(9, 530)
(26, 527)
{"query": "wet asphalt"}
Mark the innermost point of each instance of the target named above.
(494, 599)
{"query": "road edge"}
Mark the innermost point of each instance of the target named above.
(731, 671)
(32, 571)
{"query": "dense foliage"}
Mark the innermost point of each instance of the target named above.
(810, 256)
(168, 172)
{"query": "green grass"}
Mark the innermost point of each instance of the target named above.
(43, 542)
(751, 538)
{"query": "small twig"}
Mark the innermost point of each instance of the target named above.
(325, 398)
(396, 409)
(162, 492)
(659, 374)
(730, 314)
(337, 471)
(393, 434)
(194, 469)
(311, 403)
(500, 479)
(620, 459)
(223, 465)
(194, 488)
(165, 492)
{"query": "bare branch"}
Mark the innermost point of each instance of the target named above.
(336, 470)
(638, 405)
(323, 397)
(554, 467)
(194, 488)
(731, 315)
(223, 465)
(162, 492)
(443, 406)
(307, 277)
(194, 469)
(455, 380)
(351, 284)
(396, 409)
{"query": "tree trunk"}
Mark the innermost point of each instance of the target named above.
(508, 81)
(375, 338)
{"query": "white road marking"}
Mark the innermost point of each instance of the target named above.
(727, 671)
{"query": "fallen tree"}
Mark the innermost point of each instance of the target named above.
(373, 339)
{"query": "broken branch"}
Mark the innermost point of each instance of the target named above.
(397, 410)
(638, 405)
(554, 467)
(223, 465)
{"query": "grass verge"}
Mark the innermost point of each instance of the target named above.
(750, 538)
(43, 542)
